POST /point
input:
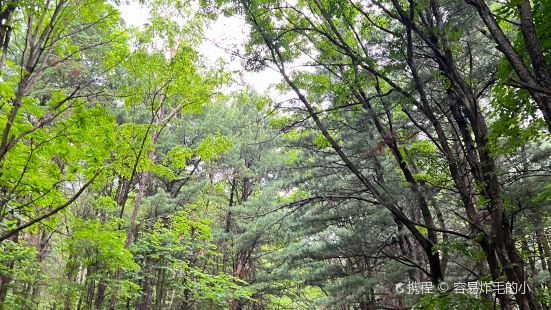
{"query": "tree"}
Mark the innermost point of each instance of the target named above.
(430, 82)
(407, 160)
(55, 136)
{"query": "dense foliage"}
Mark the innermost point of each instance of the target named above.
(410, 161)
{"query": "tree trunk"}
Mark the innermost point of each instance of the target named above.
(100, 295)
(545, 250)
(6, 278)
(71, 268)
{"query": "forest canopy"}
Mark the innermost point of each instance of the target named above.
(400, 158)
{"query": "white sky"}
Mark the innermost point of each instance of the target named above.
(224, 35)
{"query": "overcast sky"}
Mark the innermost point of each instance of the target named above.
(224, 34)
